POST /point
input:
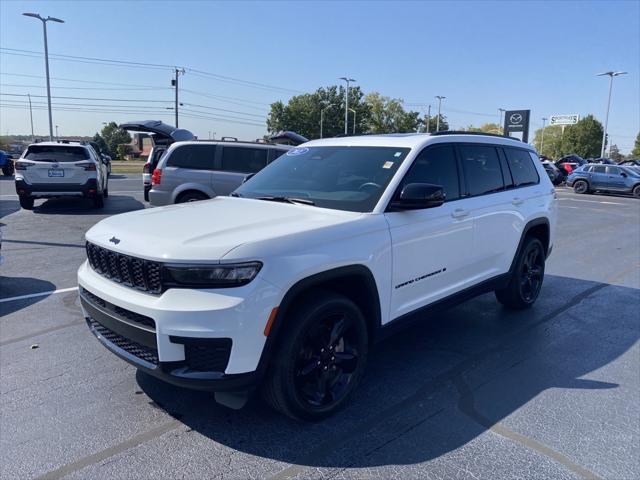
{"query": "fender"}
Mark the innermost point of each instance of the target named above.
(525, 231)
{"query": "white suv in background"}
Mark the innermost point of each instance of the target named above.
(60, 169)
(286, 284)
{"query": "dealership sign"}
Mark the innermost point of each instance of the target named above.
(564, 119)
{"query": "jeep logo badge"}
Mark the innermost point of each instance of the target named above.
(114, 240)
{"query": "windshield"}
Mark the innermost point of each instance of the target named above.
(341, 178)
(56, 153)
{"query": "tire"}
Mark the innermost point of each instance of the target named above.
(580, 187)
(98, 200)
(146, 195)
(636, 191)
(26, 202)
(526, 281)
(8, 168)
(320, 359)
(191, 197)
(106, 192)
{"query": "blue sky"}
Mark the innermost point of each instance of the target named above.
(481, 55)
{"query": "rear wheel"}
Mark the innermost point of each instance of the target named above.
(191, 197)
(636, 191)
(320, 359)
(526, 281)
(581, 186)
(26, 202)
(98, 200)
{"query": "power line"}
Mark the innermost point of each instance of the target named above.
(81, 81)
(88, 98)
(81, 88)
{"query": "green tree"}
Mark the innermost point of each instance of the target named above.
(302, 113)
(552, 146)
(114, 136)
(636, 147)
(584, 138)
(614, 153)
(387, 115)
(433, 122)
(101, 143)
(486, 128)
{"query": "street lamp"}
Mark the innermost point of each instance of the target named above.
(500, 112)
(46, 61)
(354, 120)
(440, 98)
(346, 104)
(322, 117)
(544, 119)
(606, 118)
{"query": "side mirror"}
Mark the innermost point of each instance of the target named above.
(417, 196)
(623, 174)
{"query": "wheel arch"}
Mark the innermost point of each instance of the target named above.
(190, 188)
(539, 228)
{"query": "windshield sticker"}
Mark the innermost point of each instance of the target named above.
(398, 154)
(297, 151)
(387, 165)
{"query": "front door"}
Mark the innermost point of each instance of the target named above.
(430, 247)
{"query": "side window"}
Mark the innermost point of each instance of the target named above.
(196, 157)
(275, 153)
(522, 168)
(599, 169)
(613, 170)
(481, 169)
(436, 165)
(243, 159)
(587, 169)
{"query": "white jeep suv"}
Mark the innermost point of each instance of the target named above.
(61, 169)
(287, 283)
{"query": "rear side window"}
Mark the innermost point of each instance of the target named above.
(599, 169)
(522, 168)
(613, 170)
(196, 157)
(244, 159)
(436, 165)
(275, 153)
(56, 153)
(482, 171)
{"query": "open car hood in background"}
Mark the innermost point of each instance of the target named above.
(288, 138)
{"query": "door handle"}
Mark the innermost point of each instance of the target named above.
(459, 213)
(517, 201)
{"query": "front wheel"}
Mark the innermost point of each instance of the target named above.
(320, 360)
(526, 280)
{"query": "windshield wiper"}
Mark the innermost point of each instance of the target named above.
(302, 201)
(235, 194)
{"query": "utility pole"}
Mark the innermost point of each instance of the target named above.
(544, 119)
(33, 137)
(174, 83)
(440, 98)
(57, 137)
(354, 120)
(429, 120)
(46, 61)
(500, 112)
(606, 118)
(346, 104)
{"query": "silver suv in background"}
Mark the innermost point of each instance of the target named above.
(199, 170)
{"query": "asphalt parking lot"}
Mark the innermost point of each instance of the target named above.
(478, 392)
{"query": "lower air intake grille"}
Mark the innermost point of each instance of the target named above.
(142, 352)
(208, 355)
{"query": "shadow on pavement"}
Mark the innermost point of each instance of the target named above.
(429, 378)
(81, 206)
(16, 286)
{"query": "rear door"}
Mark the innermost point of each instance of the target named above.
(615, 180)
(59, 164)
(236, 162)
(494, 206)
(599, 176)
(189, 164)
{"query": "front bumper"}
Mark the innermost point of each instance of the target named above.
(45, 190)
(203, 339)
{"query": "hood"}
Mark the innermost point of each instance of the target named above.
(160, 130)
(205, 231)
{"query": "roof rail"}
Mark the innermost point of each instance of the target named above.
(462, 132)
(229, 139)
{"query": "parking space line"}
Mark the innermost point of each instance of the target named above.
(592, 201)
(41, 294)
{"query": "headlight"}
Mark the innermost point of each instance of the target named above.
(211, 276)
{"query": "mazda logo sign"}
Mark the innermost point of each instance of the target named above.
(515, 118)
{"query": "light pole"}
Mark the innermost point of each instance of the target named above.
(57, 137)
(346, 104)
(440, 98)
(500, 112)
(322, 117)
(606, 118)
(544, 119)
(354, 120)
(429, 120)
(33, 137)
(174, 83)
(46, 61)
